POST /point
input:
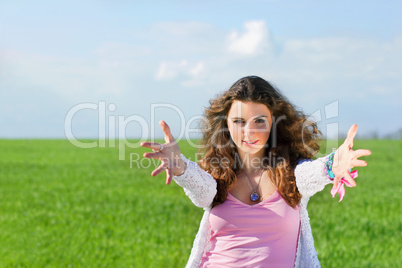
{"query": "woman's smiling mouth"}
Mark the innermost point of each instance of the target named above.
(250, 142)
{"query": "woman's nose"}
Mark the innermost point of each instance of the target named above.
(249, 128)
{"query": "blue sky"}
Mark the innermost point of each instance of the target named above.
(339, 55)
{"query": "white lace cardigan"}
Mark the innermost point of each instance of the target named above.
(200, 187)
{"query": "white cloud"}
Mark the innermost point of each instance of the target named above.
(121, 51)
(172, 40)
(197, 69)
(308, 70)
(110, 70)
(341, 58)
(68, 77)
(251, 41)
(166, 71)
(171, 69)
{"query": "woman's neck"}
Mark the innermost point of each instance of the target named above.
(250, 163)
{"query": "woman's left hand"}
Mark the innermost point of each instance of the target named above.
(346, 158)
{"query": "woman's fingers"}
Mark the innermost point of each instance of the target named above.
(349, 179)
(169, 176)
(154, 155)
(361, 152)
(345, 176)
(163, 152)
(346, 159)
(152, 145)
(162, 167)
(351, 135)
(336, 181)
(359, 163)
(166, 129)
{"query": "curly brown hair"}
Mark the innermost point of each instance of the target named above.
(292, 138)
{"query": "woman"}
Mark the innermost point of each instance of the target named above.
(255, 178)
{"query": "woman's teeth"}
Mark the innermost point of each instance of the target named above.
(250, 142)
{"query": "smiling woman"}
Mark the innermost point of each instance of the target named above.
(255, 208)
(254, 121)
(250, 132)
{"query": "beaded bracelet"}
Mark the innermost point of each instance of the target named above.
(329, 164)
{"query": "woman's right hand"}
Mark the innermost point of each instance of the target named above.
(169, 155)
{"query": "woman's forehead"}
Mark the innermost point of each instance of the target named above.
(248, 109)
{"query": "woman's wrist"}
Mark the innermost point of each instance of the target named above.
(181, 168)
(329, 165)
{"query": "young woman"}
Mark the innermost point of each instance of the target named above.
(255, 178)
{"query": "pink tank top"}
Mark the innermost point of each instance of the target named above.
(260, 235)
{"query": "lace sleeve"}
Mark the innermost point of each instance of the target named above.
(311, 176)
(198, 185)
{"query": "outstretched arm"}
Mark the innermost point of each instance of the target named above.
(312, 175)
(198, 185)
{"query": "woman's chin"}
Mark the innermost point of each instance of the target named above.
(251, 150)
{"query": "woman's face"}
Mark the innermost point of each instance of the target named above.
(249, 125)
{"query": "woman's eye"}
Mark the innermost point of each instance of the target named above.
(238, 121)
(260, 121)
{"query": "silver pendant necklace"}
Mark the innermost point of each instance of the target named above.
(254, 195)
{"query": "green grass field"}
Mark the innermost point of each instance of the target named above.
(62, 206)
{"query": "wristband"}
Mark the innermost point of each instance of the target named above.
(329, 164)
